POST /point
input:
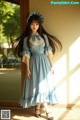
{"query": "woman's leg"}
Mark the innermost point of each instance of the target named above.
(46, 107)
(37, 110)
(48, 113)
(38, 106)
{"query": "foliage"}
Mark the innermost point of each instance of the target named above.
(6, 10)
(11, 28)
(9, 21)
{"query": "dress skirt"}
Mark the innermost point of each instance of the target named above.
(40, 88)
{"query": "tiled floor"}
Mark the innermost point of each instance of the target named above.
(58, 113)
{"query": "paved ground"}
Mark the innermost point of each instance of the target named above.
(10, 84)
(58, 113)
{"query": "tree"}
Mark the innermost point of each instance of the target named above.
(11, 28)
(9, 22)
(6, 9)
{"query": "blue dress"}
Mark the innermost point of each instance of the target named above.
(39, 88)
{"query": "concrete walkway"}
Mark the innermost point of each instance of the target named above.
(10, 84)
(58, 113)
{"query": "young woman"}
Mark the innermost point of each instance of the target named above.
(36, 47)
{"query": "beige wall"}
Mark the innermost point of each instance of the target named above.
(63, 21)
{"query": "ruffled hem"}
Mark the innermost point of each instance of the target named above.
(39, 98)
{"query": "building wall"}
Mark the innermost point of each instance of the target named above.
(63, 21)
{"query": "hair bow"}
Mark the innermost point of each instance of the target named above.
(34, 37)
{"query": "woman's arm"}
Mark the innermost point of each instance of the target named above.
(50, 59)
(27, 62)
(26, 57)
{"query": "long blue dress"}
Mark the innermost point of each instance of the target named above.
(39, 88)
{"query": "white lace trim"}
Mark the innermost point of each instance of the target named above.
(36, 42)
(49, 52)
(24, 57)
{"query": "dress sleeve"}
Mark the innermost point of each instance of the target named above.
(48, 48)
(26, 51)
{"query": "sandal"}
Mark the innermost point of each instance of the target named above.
(49, 116)
(37, 113)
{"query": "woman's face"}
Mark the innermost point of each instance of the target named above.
(34, 26)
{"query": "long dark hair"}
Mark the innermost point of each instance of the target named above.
(53, 41)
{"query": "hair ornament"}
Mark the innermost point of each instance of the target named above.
(36, 14)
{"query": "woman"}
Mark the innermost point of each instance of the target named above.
(36, 46)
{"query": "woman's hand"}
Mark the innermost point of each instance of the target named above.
(29, 74)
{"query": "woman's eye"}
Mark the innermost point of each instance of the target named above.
(37, 24)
